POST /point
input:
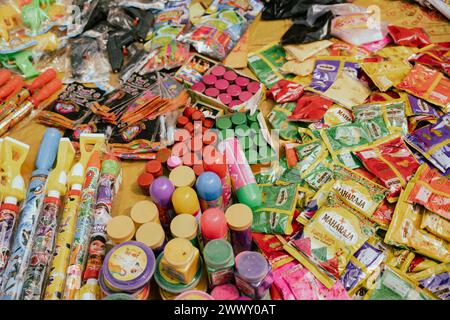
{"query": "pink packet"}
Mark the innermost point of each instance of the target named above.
(377, 45)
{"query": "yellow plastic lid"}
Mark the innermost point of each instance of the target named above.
(239, 217)
(184, 226)
(120, 229)
(151, 234)
(178, 252)
(144, 212)
(182, 176)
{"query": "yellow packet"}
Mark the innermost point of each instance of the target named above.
(397, 52)
(436, 225)
(337, 115)
(328, 242)
(386, 74)
(405, 231)
(301, 52)
(302, 69)
(317, 201)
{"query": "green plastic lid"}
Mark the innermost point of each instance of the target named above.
(254, 117)
(251, 155)
(223, 123)
(259, 140)
(225, 134)
(246, 142)
(239, 118)
(255, 126)
(218, 253)
(250, 195)
(242, 131)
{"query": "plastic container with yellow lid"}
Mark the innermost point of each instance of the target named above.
(180, 260)
(144, 212)
(185, 226)
(182, 176)
(152, 235)
(120, 229)
(239, 219)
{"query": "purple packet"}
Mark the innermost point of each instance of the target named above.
(433, 142)
(326, 72)
(421, 107)
(438, 283)
(370, 258)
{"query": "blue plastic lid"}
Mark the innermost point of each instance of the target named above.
(209, 186)
(47, 152)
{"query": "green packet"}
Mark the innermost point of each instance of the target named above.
(266, 63)
(277, 210)
(393, 284)
(287, 130)
(387, 115)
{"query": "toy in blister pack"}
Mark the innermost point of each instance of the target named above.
(386, 74)
(432, 142)
(194, 69)
(71, 106)
(411, 37)
(327, 243)
(285, 91)
(431, 190)
(168, 57)
(310, 108)
(434, 55)
(395, 285)
(404, 230)
(392, 162)
(276, 213)
(436, 279)
(428, 84)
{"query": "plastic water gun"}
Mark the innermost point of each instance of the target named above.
(85, 219)
(66, 232)
(21, 60)
(12, 192)
(20, 105)
(13, 277)
(8, 20)
(44, 239)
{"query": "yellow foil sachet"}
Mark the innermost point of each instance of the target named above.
(301, 52)
(386, 74)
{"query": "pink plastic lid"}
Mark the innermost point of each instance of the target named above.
(218, 71)
(253, 87)
(234, 103)
(242, 81)
(212, 92)
(209, 79)
(230, 75)
(221, 84)
(225, 292)
(225, 98)
(245, 96)
(214, 224)
(234, 90)
(199, 87)
(174, 162)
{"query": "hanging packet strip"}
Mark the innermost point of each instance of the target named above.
(433, 142)
(329, 240)
(295, 282)
(404, 230)
(436, 225)
(71, 106)
(394, 285)
(276, 213)
(436, 279)
(392, 162)
(386, 74)
(427, 84)
(431, 190)
(363, 263)
(358, 192)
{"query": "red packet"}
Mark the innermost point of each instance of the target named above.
(310, 108)
(285, 91)
(392, 162)
(272, 249)
(428, 84)
(436, 55)
(410, 37)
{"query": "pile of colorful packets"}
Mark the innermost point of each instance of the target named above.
(340, 192)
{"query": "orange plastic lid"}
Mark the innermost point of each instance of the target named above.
(120, 229)
(143, 212)
(182, 176)
(239, 217)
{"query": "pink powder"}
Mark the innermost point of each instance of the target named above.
(225, 292)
